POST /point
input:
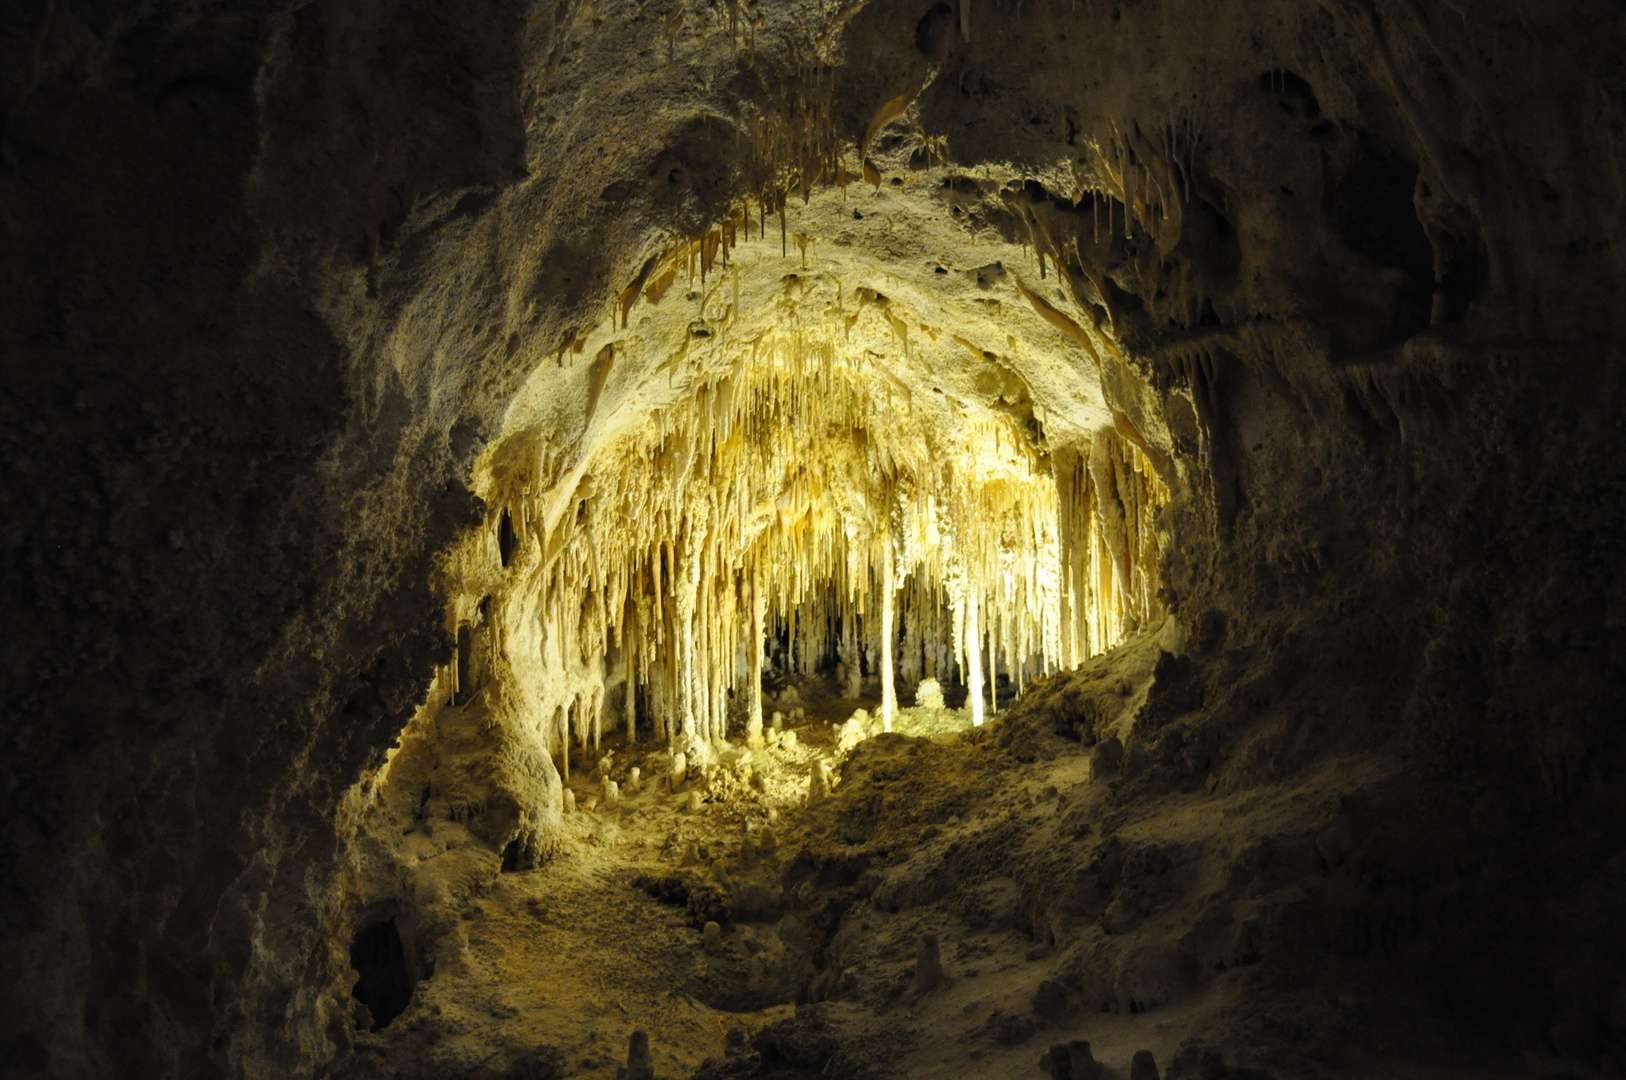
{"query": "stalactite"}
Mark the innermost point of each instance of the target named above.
(788, 493)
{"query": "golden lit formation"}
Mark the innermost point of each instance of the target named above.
(793, 496)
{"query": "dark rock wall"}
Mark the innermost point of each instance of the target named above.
(271, 270)
(212, 622)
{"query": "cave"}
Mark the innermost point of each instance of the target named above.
(813, 538)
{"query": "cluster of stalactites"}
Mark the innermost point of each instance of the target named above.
(794, 497)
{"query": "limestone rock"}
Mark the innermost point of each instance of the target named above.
(1050, 1000)
(1143, 1066)
(1106, 757)
(851, 733)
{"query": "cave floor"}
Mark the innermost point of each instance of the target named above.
(561, 963)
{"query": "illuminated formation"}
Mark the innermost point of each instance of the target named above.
(796, 501)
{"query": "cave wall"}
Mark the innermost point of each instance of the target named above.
(272, 275)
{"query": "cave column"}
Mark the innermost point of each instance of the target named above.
(630, 644)
(889, 692)
(753, 723)
(688, 587)
(973, 660)
(632, 699)
(993, 671)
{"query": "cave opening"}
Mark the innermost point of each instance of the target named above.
(384, 982)
(810, 497)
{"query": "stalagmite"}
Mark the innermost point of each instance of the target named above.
(634, 780)
(818, 783)
(677, 770)
(928, 964)
(640, 1063)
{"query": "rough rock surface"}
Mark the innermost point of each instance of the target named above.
(280, 279)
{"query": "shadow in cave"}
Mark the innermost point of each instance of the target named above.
(385, 986)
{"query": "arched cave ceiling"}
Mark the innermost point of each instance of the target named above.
(284, 284)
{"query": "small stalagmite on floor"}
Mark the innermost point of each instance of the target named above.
(1070, 1061)
(928, 964)
(818, 783)
(640, 1063)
